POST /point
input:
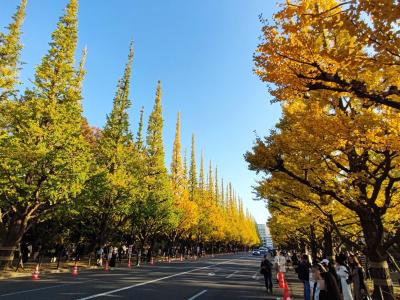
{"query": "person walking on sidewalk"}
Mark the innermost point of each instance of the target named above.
(280, 263)
(344, 274)
(303, 272)
(266, 270)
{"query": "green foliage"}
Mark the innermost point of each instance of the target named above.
(10, 48)
(76, 182)
(44, 154)
(111, 190)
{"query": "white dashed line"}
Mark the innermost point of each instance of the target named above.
(197, 295)
(150, 281)
(230, 275)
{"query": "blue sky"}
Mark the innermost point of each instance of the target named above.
(201, 50)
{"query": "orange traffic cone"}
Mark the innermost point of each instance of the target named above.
(281, 280)
(129, 263)
(286, 294)
(35, 274)
(75, 270)
(106, 267)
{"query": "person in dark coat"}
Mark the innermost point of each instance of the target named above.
(303, 273)
(266, 270)
(325, 285)
(113, 258)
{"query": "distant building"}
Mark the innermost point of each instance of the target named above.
(265, 235)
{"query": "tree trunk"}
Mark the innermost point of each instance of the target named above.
(383, 286)
(377, 256)
(313, 243)
(328, 244)
(13, 235)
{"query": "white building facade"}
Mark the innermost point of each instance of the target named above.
(265, 235)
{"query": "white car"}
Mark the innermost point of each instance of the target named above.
(256, 252)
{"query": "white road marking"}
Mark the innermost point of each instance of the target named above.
(44, 288)
(197, 295)
(150, 281)
(211, 274)
(255, 276)
(230, 275)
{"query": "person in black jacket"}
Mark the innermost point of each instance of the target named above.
(266, 270)
(303, 272)
(325, 285)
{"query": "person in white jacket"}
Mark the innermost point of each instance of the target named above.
(280, 263)
(343, 274)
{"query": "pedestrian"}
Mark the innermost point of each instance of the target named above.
(295, 261)
(325, 286)
(113, 258)
(266, 270)
(280, 262)
(344, 274)
(121, 252)
(25, 252)
(332, 269)
(360, 291)
(30, 250)
(99, 255)
(109, 252)
(288, 258)
(303, 273)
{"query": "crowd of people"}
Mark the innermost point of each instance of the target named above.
(326, 279)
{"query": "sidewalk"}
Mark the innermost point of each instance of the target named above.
(295, 285)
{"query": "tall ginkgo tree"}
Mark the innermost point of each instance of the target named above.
(111, 190)
(44, 155)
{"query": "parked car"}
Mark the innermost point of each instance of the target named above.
(256, 252)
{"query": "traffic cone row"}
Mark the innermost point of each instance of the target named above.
(75, 269)
(35, 274)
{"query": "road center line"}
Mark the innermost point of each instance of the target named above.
(230, 275)
(44, 288)
(151, 281)
(197, 295)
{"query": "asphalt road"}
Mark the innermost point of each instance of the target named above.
(222, 277)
